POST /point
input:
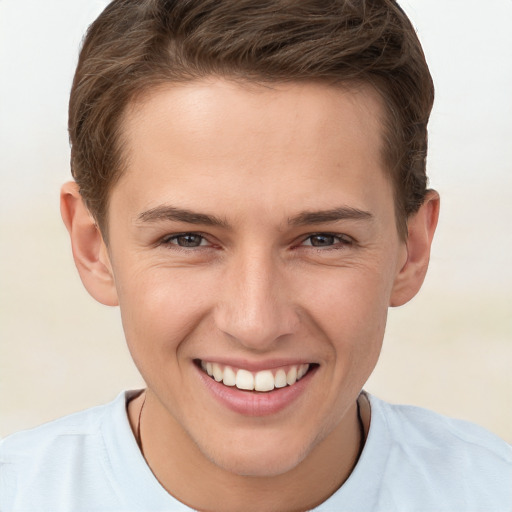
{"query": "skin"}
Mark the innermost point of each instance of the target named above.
(258, 159)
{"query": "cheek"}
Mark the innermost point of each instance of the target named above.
(160, 307)
(350, 309)
(349, 298)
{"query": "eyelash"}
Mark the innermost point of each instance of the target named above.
(339, 241)
(168, 240)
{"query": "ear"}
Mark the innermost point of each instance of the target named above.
(89, 250)
(420, 227)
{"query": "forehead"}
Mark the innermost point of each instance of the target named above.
(222, 140)
(309, 110)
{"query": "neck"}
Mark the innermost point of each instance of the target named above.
(184, 471)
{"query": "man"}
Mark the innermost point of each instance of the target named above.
(250, 189)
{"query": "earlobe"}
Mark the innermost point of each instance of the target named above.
(89, 250)
(421, 228)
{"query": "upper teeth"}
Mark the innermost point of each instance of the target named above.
(265, 380)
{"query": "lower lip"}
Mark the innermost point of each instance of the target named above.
(250, 403)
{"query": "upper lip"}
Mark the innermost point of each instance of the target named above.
(255, 366)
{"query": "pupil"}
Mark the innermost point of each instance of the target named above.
(322, 240)
(189, 240)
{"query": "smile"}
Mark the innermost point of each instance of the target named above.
(262, 381)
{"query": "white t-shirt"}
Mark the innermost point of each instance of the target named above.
(413, 460)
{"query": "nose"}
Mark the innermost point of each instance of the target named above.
(255, 307)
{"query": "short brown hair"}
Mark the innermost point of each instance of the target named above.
(135, 45)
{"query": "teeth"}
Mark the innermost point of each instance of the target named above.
(291, 376)
(303, 368)
(218, 374)
(280, 379)
(262, 381)
(229, 377)
(244, 380)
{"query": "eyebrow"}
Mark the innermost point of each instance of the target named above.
(172, 213)
(334, 215)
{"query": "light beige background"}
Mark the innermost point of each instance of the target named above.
(449, 350)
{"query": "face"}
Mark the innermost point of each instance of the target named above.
(253, 237)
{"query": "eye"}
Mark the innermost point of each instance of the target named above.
(327, 240)
(186, 240)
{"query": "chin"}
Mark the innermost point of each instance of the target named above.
(258, 459)
(258, 467)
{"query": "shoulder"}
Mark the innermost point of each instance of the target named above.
(28, 443)
(445, 460)
(422, 428)
(32, 462)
